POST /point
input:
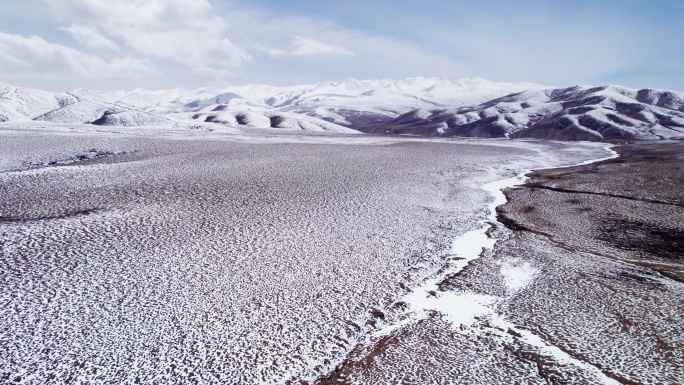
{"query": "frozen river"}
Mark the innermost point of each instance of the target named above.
(160, 257)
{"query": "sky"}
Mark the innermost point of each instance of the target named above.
(60, 45)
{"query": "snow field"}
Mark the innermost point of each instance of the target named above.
(253, 262)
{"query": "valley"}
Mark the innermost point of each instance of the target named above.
(350, 232)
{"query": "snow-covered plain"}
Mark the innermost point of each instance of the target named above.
(165, 256)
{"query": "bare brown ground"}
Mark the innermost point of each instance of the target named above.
(608, 241)
(629, 208)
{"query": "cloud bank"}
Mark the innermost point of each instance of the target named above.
(31, 55)
(55, 44)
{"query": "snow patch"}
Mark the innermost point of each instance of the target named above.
(518, 274)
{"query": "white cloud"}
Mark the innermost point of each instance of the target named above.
(184, 31)
(364, 54)
(33, 55)
(304, 46)
(90, 37)
(194, 42)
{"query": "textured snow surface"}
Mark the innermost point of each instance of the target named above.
(527, 312)
(465, 309)
(157, 256)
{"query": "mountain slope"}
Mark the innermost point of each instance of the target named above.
(18, 103)
(575, 113)
(25, 104)
(237, 113)
(101, 114)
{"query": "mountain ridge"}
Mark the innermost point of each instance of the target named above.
(425, 106)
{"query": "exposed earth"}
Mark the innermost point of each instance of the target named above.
(603, 247)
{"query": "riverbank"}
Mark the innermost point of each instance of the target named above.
(611, 235)
(565, 296)
(629, 208)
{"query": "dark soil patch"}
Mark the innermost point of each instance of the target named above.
(652, 238)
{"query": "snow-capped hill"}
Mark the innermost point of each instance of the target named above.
(19, 103)
(662, 98)
(352, 102)
(574, 113)
(83, 111)
(400, 94)
(102, 114)
(160, 101)
(429, 90)
(448, 88)
(429, 106)
(240, 113)
(336, 105)
(609, 112)
(131, 118)
(218, 99)
(351, 85)
(99, 96)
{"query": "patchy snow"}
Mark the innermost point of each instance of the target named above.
(548, 349)
(579, 126)
(463, 309)
(125, 257)
(460, 309)
(464, 249)
(422, 114)
(517, 274)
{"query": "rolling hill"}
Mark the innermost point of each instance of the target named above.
(415, 106)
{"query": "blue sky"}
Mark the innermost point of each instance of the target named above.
(66, 44)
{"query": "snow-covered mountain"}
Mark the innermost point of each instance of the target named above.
(101, 114)
(237, 112)
(17, 103)
(418, 106)
(575, 113)
(21, 104)
(382, 97)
